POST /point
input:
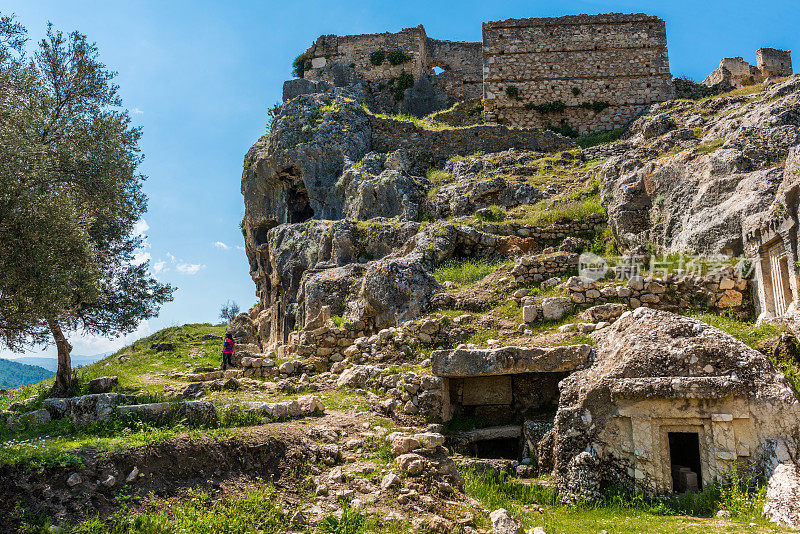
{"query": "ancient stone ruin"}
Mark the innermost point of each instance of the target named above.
(589, 72)
(351, 213)
(583, 73)
(736, 72)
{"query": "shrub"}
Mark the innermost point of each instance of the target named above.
(492, 214)
(576, 90)
(338, 320)
(476, 109)
(404, 81)
(602, 138)
(563, 128)
(512, 91)
(377, 57)
(597, 106)
(548, 107)
(300, 65)
(398, 57)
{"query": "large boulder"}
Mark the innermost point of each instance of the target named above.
(655, 371)
(395, 290)
(783, 496)
(459, 363)
(94, 408)
(102, 384)
(382, 186)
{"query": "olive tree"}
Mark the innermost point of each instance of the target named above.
(70, 197)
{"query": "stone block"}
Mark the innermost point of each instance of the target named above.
(484, 390)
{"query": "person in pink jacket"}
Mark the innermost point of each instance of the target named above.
(227, 351)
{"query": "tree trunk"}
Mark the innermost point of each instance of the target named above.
(63, 383)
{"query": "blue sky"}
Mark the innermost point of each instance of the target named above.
(199, 76)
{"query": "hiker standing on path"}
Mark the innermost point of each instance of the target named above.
(227, 351)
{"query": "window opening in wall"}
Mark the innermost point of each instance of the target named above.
(684, 457)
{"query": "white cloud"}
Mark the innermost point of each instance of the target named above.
(141, 257)
(159, 266)
(172, 258)
(240, 247)
(189, 268)
(86, 344)
(137, 111)
(140, 228)
(220, 244)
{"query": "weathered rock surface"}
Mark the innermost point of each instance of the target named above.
(783, 496)
(699, 198)
(508, 360)
(646, 360)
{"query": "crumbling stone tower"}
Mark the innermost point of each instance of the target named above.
(774, 62)
(585, 73)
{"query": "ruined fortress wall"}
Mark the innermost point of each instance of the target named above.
(774, 62)
(618, 59)
(463, 71)
(463, 67)
(355, 50)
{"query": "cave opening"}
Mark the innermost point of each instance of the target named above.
(298, 207)
(507, 448)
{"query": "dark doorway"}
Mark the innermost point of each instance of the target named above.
(684, 454)
(507, 448)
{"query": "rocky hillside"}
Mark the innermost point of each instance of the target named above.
(424, 357)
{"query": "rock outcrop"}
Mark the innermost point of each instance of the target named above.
(654, 373)
(695, 173)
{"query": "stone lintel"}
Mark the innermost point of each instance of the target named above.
(492, 432)
(461, 363)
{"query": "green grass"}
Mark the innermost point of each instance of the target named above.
(480, 337)
(586, 141)
(426, 123)
(623, 511)
(707, 148)
(748, 333)
(553, 211)
(476, 154)
(438, 178)
(59, 441)
(254, 512)
(464, 271)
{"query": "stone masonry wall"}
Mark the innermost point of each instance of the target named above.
(615, 58)
(389, 135)
(461, 61)
(774, 62)
(355, 50)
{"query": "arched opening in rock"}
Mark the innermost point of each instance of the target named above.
(298, 208)
(260, 235)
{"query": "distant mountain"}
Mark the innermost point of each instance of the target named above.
(51, 362)
(14, 374)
